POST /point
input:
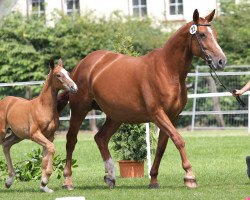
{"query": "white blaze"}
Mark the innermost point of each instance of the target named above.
(67, 77)
(214, 40)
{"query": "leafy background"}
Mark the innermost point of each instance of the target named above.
(27, 44)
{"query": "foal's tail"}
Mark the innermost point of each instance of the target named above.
(62, 100)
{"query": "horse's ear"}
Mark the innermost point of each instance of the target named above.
(210, 17)
(60, 62)
(51, 63)
(196, 16)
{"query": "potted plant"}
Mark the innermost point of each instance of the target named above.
(129, 145)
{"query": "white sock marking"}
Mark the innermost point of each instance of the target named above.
(109, 167)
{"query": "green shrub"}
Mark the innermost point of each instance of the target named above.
(129, 143)
(31, 167)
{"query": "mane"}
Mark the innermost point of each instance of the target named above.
(181, 31)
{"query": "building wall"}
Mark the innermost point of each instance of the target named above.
(158, 9)
(105, 7)
(21, 6)
(204, 7)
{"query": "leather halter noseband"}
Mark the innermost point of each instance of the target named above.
(210, 63)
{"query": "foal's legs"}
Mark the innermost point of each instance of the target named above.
(45, 176)
(164, 123)
(49, 152)
(162, 144)
(7, 144)
(102, 138)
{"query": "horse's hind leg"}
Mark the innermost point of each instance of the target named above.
(102, 138)
(7, 144)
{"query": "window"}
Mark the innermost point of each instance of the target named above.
(176, 7)
(139, 8)
(72, 6)
(38, 7)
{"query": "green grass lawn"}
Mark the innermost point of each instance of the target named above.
(217, 157)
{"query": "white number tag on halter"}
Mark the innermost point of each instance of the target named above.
(193, 29)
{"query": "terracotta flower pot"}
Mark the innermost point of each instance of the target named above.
(131, 169)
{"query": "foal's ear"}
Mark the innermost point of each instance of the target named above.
(60, 62)
(196, 16)
(51, 63)
(210, 17)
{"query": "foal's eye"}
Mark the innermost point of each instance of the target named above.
(58, 75)
(202, 35)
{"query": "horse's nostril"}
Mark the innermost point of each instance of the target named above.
(221, 63)
(73, 89)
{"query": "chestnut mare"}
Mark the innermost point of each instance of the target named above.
(35, 119)
(150, 88)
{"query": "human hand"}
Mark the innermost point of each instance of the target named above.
(237, 92)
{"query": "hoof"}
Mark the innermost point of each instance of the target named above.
(68, 187)
(7, 185)
(248, 166)
(109, 181)
(46, 189)
(9, 182)
(190, 182)
(153, 186)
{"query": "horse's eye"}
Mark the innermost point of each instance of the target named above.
(202, 35)
(58, 75)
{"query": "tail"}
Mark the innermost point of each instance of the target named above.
(62, 101)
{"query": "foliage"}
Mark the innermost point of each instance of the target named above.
(26, 44)
(3, 169)
(30, 168)
(129, 143)
(123, 44)
(233, 32)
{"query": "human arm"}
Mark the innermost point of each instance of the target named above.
(242, 90)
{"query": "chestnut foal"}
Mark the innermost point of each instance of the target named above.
(35, 119)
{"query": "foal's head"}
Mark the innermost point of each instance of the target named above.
(204, 41)
(61, 79)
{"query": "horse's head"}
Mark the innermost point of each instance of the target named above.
(61, 77)
(204, 41)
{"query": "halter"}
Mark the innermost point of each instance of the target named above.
(194, 32)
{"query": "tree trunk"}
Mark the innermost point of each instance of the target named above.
(216, 103)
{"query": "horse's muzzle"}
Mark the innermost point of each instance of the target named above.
(73, 89)
(219, 63)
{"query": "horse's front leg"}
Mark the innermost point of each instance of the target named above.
(76, 119)
(166, 126)
(47, 161)
(102, 138)
(7, 144)
(162, 144)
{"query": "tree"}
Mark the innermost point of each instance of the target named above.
(233, 32)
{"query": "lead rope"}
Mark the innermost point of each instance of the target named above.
(211, 64)
(221, 84)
